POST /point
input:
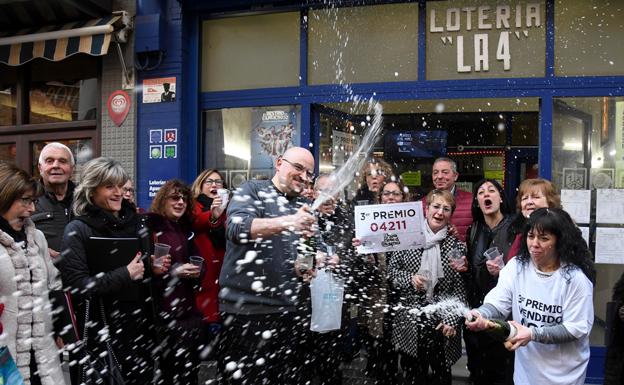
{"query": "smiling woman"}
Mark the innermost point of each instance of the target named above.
(174, 282)
(26, 277)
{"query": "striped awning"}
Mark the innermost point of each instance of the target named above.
(57, 42)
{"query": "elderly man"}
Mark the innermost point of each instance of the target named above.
(53, 211)
(444, 176)
(259, 287)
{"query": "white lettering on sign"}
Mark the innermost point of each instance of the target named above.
(487, 18)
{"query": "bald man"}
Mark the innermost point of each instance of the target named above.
(259, 287)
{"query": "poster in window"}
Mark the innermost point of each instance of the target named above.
(343, 145)
(274, 130)
(237, 178)
(574, 178)
(601, 178)
(159, 90)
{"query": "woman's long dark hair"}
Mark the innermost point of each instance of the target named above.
(571, 248)
(505, 207)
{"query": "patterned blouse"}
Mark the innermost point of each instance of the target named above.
(407, 327)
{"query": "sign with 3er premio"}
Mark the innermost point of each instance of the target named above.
(389, 227)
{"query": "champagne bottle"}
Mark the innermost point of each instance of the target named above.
(306, 251)
(500, 330)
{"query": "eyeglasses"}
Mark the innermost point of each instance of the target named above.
(395, 193)
(376, 173)
(176, 198)
(438, 207)
(218, 182)
(300, 169)
(128, 190)
(26, 201)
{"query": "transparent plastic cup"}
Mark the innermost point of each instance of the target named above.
(493, 254)
(160, 251)
(456, 258)
(196, 260)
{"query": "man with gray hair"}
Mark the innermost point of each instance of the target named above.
(444, 175)
(53, 211)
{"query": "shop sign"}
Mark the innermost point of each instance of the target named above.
(118, 106)
(483, 39)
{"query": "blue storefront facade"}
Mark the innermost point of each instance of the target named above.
(515, 89)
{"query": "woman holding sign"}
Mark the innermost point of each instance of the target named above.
(547, 289)
(423, 277)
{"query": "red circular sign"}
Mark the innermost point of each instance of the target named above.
(118, 106)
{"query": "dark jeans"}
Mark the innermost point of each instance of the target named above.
(261, 349)
(179, 352)
(489, 362)
(430, 355)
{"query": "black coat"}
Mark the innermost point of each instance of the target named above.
(125, 301)
(614, 362)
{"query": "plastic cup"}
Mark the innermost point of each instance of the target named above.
(455, 257)
(492, 253)
(426, 274)
(331, 250)
(160, 250)
(224, 194)
(196, 260)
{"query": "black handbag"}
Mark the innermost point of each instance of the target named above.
(100, 369)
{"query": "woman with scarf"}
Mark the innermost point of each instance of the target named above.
(422, 277)
(26, 277)
(209, 216)
(102, 249)
(178, 320)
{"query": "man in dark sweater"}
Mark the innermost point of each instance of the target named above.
(259, 286)
(53, 211)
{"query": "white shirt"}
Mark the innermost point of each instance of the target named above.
(545, 301)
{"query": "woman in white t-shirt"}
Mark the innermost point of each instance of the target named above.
(548, 290)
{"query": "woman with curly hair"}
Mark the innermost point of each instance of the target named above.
(548, 290)
(177, 317)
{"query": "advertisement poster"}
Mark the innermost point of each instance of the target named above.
(274, 130)
(389, 227)
(343, 145)
(159, 90)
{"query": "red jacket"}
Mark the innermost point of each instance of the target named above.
(462, 217)
(207, 297)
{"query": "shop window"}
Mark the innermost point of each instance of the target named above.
(588, 38)
(485, 40)
(363, 44)
(8, 90)
(477, 133)
(588, 156)
(245, 142)
(250, 52)
(8, 151)
(63, 92)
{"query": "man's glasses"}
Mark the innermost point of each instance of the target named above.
(26, 201)
(300, 169)
(218, 182)
(176, 198)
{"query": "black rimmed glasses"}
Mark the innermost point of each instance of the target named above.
(27, 201)
(300, 169)
(176, 198)
(395, 193)
(217, 182)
